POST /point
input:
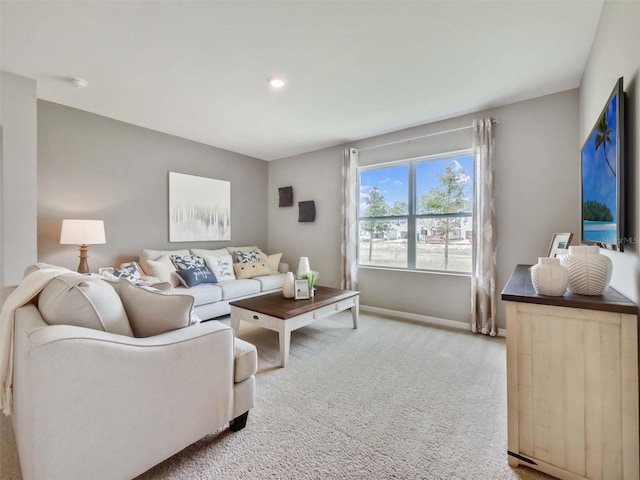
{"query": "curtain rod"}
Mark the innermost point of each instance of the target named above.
(419, 137)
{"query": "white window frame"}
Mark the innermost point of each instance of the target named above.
(411, 217)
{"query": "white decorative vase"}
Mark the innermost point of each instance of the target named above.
(303, 266)
(549, 277)
(288, 289)
(589, 270)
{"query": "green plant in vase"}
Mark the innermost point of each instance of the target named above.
(311, 277)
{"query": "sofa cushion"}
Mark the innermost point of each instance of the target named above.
(147, 254)
(232, 250)
(272, 261)
(203, 293)
(83, 301)
(222, 267)
(162, 286)
(128, 271)
(245, 360)
(239, 288)
(221, 252)
(251, 270)
(192, 270)
(164, 269)
(247, 257)
(152, 311)
(271, 282)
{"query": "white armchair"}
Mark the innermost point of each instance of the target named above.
(90, 404)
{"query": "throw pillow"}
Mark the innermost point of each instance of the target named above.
(272, 261)
(83, 301)
(164, 269)
(129, 271)
(240, 256)
(222, 267)
(242, 249)
(251, 269)
(192, 270)
(146, 254)
(152, 312)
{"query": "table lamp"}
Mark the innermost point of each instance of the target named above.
(82, 233)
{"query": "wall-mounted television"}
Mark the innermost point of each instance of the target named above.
(603, 221)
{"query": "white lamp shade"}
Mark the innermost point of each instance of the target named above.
(82, 232)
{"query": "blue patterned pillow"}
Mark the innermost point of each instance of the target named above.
(240, 256)
(192, 270)
(129, 272)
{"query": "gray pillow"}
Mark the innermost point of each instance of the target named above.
(83, 301)
(152, 312)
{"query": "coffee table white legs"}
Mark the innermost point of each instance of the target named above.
(285, 342)
(355, 310)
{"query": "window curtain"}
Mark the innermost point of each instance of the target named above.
(349, 230)
(484, 242)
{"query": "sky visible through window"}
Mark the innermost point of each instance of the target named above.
(393, 181)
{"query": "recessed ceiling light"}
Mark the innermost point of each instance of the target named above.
(277, 82)
(78, 82)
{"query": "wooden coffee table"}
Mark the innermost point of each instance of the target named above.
(284, 315)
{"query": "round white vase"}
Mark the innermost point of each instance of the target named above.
(589, 270)
(549, 277)
(288, 288)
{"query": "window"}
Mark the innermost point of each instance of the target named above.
(416, 214)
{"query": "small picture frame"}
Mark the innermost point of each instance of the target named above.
(302, 289)
(559, 244)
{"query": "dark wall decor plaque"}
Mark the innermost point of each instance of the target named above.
(307, 211)
(285, 197)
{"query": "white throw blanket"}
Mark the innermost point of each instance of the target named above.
(23, 294)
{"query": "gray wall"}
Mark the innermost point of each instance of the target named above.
(537, 172)
(18, 186)
(616, 53)
(94, 167)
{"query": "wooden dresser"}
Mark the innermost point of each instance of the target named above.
(572, 382)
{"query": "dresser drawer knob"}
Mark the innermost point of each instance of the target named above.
(255, 317)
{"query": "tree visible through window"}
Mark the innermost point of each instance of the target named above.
(417, 214)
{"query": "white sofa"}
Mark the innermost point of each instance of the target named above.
(212, 300)
(91, 404)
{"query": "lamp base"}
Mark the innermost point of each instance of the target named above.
(83, 266)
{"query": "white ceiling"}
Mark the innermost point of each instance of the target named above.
(198, 69)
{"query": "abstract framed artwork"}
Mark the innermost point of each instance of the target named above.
(199, 208)
(307, 211)
(285, 197)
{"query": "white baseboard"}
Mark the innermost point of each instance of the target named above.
(440, 322)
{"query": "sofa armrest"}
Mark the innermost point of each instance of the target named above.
(77, 389)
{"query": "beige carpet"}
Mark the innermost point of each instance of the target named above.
(389, 400)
